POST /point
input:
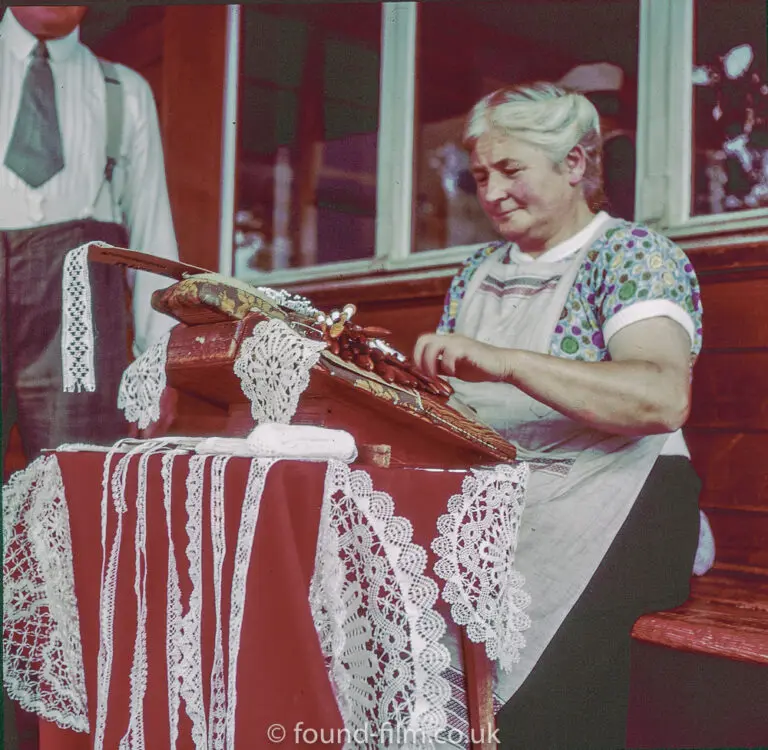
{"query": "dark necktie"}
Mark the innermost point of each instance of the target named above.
(35, 151)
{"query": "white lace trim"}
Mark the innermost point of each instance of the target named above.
(143, 383)
(46, 673)
(114, 486)
(273, 367)
(373, 612)
(108, 588)
(42, 655)
(249, 516)
(134, 736)
(476, 547)
(173, 605)
(217, 712)
(190, 665)
(77, 340)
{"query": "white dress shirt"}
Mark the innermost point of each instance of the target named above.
(139, 196)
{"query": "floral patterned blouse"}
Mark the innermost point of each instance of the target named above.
(627, 265)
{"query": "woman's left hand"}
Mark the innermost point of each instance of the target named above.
(461, 357)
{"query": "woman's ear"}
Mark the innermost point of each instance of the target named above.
(576, 165)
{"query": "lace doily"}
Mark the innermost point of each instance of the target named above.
(476, 547)
(42, 655)
(143, 383)
(77, 344)
(373, 611)
(273, 367)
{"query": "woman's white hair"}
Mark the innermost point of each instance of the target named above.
(549, 117)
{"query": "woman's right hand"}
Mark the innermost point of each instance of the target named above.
(458, 356)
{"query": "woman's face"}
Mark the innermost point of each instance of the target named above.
(526, 196)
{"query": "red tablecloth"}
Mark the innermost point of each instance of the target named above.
(282, 678)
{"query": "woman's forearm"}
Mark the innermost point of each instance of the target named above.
(630, 397)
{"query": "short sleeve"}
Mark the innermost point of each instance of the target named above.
(634, 274)
(458, 287)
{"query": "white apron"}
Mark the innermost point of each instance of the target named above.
(583, 481)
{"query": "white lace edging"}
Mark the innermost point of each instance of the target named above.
(77, 340)
(143, 383)
(190, 664)
(42, 654)
(113, 485)
(476, 547)
(273, 367)
(173, 605)
(249, 516)
(217, 712)
(134, 737)
(373, 611)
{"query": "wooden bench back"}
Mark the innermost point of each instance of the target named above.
(727, 431)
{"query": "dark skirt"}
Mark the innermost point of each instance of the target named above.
(31, 265)
(577, 694)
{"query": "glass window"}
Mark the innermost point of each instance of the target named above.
(730, 100)
(308, 120)
(468, 50)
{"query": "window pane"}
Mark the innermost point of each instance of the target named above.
(467, 50)
(730, 101)
(309, 99)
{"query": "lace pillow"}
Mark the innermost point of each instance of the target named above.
(204, 300)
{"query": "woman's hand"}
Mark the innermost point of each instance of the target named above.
(462, 357)
(643, 389)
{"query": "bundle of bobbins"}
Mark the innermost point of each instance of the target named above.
(364, 347)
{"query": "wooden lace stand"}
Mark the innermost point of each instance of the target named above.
(390, 427)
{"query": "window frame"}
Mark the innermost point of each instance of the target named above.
(664, 151)
(665, 130)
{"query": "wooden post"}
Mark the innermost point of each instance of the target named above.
(191, 116)
(479, 683)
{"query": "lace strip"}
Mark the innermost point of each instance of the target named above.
(109, 583)
(116, 485)
(217, 714)
(249, 516)
(77, 340)
(134, 736)
(476, 550)
(173, 605)
(190, 665)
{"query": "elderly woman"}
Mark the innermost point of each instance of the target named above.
(575, 338)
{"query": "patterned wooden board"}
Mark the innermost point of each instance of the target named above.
(449, 416)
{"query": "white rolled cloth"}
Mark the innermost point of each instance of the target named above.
(297, 441)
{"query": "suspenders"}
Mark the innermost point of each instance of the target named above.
(114, 93)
